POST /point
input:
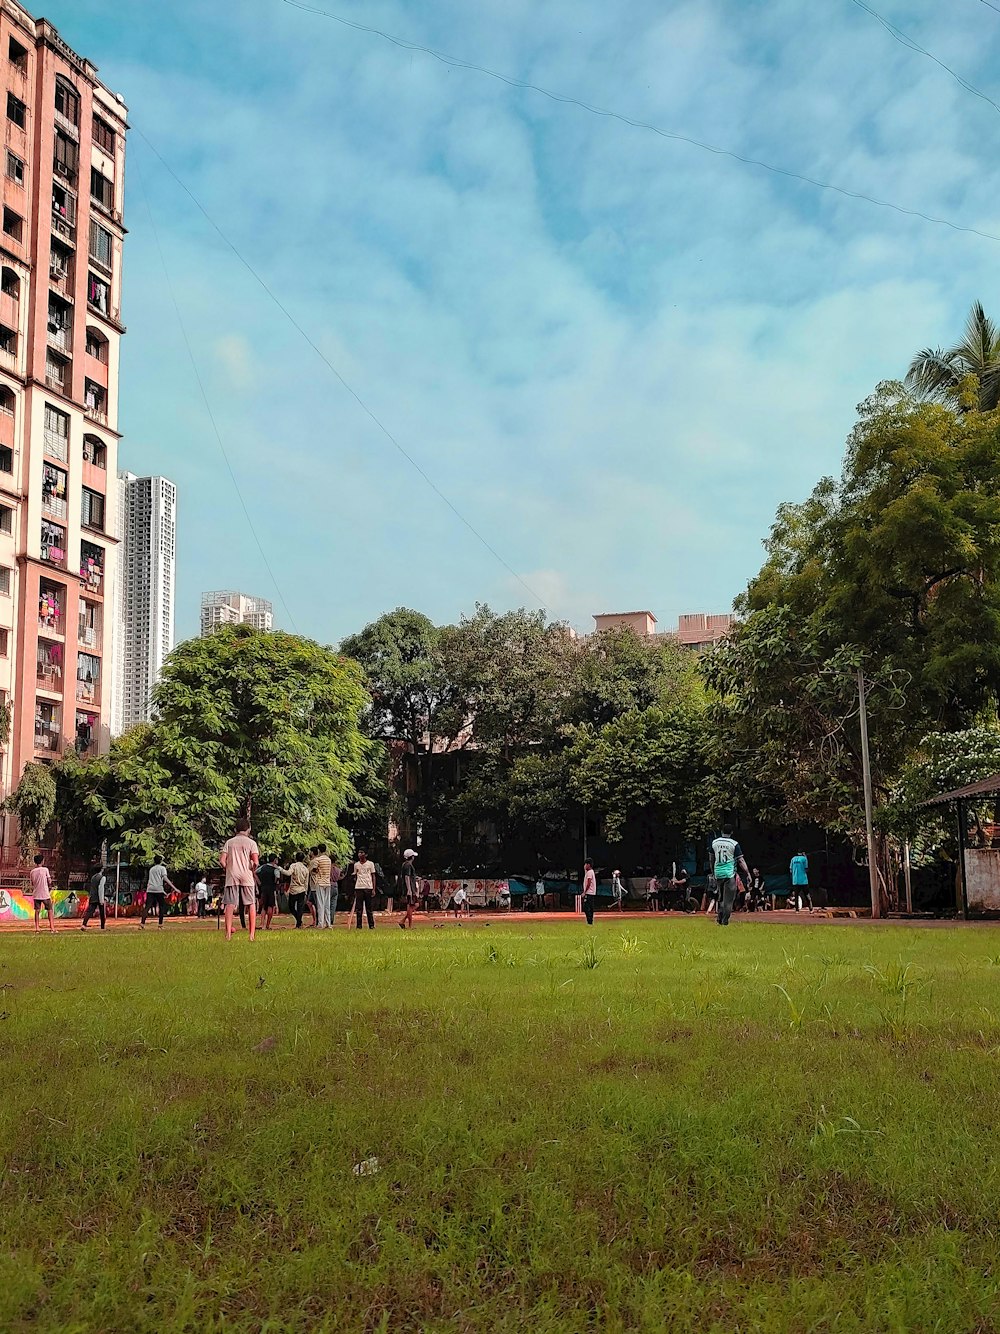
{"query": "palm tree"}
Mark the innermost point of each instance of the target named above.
(935, 373)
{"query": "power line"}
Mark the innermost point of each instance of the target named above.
(457, 63)
(204, 395)
(991, 6)
(349, 388)
(905, 40)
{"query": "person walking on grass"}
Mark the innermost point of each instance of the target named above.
(298, 883)
(589, 892)
(96, 896)
(319, 885)
(727, 857)
(618, 890)
(363, 874)
(201, 895)
(798, 869)
(653, 894)
(156, 893)
(408, 889)
(41, 890)
(268, 879)
(240, 858)
(335, 874)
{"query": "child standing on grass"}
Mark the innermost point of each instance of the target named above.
(41, 890)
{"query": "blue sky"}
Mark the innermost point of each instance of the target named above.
(616, 354)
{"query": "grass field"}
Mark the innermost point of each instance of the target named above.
(651, 1125)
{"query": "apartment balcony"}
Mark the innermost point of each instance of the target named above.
(57, 378)
(88, 692)
(63, 226)
(48, 735)
(9, 310)
(56, 446)
(88, 636)
(66, 125)
(61, 337)
(49, 677)
(96, 414)
(66, 170)
(61, 280)
(55, 506)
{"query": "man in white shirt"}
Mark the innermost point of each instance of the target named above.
(589, 892)
(201, 896)
(156, 893)
(363, 873)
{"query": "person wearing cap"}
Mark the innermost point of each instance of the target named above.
(408, 887)
(618, 890)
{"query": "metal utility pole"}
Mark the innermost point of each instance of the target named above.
(866, 768)
(907, 880)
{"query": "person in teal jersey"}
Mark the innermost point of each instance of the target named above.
(799, 869)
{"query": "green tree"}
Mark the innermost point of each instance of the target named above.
(246, 723)
(966, 375)
(33, 802)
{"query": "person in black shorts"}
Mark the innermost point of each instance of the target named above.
(268, 879)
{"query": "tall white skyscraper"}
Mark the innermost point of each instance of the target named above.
(230, 608)
(147, 529)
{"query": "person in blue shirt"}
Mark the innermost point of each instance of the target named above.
(799, 869)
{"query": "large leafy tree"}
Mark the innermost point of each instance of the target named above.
(900, 558)
(967, 375)
(246, 723)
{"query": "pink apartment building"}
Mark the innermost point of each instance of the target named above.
(694, 630)
(60, 327)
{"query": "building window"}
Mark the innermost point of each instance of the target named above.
(91, 572)
(54, 490)
(95, 399)
(101, 245)
(53, 543)
(18, 55)
(63, 205)
(60, 262)
(92, 510)
(48, 664)
(6, 519)
(88, 678)
(104, 135)
(15, 168)
(10, 283)
(6, 458)
(90, 623)
(5, 580)
(102, 191)
(7, 400)
(97, 345)
(13, 224)
(95, 451)
(51, 606)
(98, 294)
(4, 636)
(60, 323)
(8, 340)
(56, 371)
(46, 725)
(67, 101)
(66, 160)
(16, 111)
(56, 433)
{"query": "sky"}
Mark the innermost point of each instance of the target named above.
(615, 354)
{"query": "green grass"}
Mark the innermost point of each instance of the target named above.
(653, 1125)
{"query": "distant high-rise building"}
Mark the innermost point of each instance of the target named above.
(63, 190)
(147, 554)
(229, 608)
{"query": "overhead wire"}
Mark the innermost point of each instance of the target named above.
(456, 62)
(911, 44)
(205, 398)
(373, 417)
